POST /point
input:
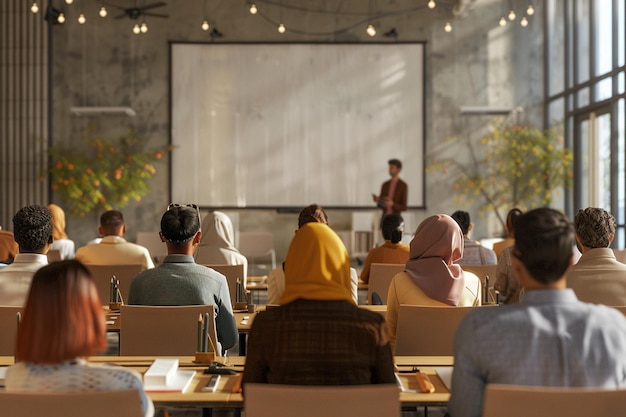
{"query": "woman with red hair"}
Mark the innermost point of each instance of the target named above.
(63, 322)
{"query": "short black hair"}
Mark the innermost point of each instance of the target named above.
(32, 228)
(544, 239)
(111, 220)
(594, 227)
(395, 162)
(313, 213)
(463, 219)
(180, 224)
(393, 227)
(511, 218)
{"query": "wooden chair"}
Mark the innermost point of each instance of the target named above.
(482, 272)
(380, 279)
(231, 272)
(523, 401)
(102, 275)
(257, 245)
(427, 330)
(124, 403)
(162, 331)
(8, 329)
(54, 255)
(272, 400)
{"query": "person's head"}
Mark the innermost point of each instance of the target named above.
(312, 214)
(511, 218)
(63, 317)
(395, 166)
(595, 228)
(463, 219)
(438, 236)
(544, 239)
(393, 227)
(32, 229)
(112, 224)
(317, 266)
(58, 222)
(180, 227)
(218, 231)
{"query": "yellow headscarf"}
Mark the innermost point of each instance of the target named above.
(58, 222)
(317, 266)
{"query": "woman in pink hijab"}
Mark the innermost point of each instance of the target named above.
(431, 277)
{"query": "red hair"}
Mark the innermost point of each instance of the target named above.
(63, 318)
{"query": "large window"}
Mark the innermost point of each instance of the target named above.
(585, 77)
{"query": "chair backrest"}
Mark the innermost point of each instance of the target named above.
(231, 272)
(162, 331)
(427, 330)
(102, 275)
(124, 403)
(380, 279)
(271, 400)
(152, 242)
(257, 244)
(54, 255)
(8, 329)
(523, 401)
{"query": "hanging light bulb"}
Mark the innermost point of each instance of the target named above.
(512, 15)
(69, 1)
(524, 22)
(530, 10)
(205, 25)
(81, 19)
(371, 30)
(253, 9)
(448, 27)
(281, 28)
(502, 21)
(61, 18)
(144, 27)
(431, 4)
(34, 8)
(136, 29)
(103, 12)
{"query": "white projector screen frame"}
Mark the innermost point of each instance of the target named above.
(287, 125)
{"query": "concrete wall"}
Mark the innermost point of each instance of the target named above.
(102, 63)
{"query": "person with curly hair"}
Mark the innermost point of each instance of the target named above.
(598, 277)
(32, 228)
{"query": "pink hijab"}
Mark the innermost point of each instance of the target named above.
(437, 245)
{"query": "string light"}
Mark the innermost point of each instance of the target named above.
(524, 22)
(61, 18)
(69, 1)
(530, 10)
(253, 9)
(448, 27)
(281, 28)
(431, 4)
(205, 25)
(34, 8)
(103, 12)
(136, 29)
(82, 19)
(512, 15)
(502, 21)
(144, 27)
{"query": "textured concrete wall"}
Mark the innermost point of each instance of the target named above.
(102, 63)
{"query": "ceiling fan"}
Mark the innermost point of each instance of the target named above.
(137, 12)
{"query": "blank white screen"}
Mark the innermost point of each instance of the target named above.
(286, 125)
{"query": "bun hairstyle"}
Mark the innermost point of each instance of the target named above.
(393, 227)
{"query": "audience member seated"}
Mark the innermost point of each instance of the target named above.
(318, 336)
(276, 278)
(549, 338)
(393, 251)
(33, 234)
(507, 284)
(114, 249)
(509, 227)
(218, 243)
(8, 246)
(432, 276)
(598, 277)
(179, 280)
(473, 252)
(63, 322)
(61, 242)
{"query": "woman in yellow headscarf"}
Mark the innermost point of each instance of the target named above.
(318, 336)
(61, 243)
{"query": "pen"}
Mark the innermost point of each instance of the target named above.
(112, 290)
(205, 338)
(200, 326)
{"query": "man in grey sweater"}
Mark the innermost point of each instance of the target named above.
(179, 280)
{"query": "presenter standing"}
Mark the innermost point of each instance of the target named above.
(393, 193)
